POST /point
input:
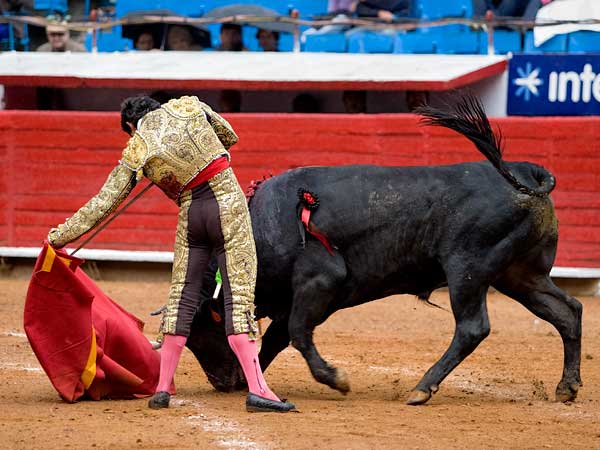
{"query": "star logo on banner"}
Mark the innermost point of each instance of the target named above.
(528, 82)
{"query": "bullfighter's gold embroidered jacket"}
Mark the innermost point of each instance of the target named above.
(170, 147)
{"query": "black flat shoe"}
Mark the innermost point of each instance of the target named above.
(256, 403)
(159, 400)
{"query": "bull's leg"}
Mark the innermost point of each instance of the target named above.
(317, 278)
(303, 320)
(468, 300)
(541, 296)
(275, 339)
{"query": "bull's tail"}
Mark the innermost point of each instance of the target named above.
(469, 119)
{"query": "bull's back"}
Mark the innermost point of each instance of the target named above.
(388, 216)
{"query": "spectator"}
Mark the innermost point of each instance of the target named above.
(145, 41)
(336, 7)
(337, 11)
(355, 102)
(305, 103)
(230, 100)
(386, 10)
(59, 39)
(268, 40)
(15, 6)
(180, 38)
(526, 9)
(231, 38)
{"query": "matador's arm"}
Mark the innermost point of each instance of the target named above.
(117, 187)
(222, 128)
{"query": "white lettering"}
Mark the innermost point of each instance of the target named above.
(563, 84)
(587, 77)
(584, 86)
(596, 89)
(552, 86)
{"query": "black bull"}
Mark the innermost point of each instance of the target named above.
(401, 230)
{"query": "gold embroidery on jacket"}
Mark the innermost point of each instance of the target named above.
(180, 143)
(181, 257)
(240, 250)
(222, 128)
(135, 154)
(116, 188)
(184, 107)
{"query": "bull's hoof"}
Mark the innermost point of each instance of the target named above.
(418, 397)
(342, 383)
(566, 392)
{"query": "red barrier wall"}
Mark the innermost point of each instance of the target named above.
(54, 161)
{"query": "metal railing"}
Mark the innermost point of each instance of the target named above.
(488, 23)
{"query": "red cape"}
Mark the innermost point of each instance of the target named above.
(86, 343)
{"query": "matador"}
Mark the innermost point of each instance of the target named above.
(182, 147)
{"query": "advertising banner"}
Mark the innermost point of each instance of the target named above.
(554, 85)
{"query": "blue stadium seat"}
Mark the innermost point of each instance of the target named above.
(286, 42)
(249, 38)
(461, 42)
(207, 5)
(109, 40)
(5, 41)
(198, 8)
(8, 41)
(184, 8)
(330, 42)
(414, 42)
(371, 42)
(52, 5)
(558, 44)
(450, 28)
(214, 30)
(504, 41)
(434, 9)
(124, 7)
(584, 41)
(446, 39)
(4, 31)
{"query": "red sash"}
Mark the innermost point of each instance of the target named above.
(215, 167)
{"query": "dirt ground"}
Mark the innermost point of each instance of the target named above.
(501, 397)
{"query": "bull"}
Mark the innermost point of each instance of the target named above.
(401, 230)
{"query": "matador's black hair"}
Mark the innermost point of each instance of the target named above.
(134, 108)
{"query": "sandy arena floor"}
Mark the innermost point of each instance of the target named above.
(501, 397)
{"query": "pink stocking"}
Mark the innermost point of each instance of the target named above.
(246, 353)
(169, 357)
